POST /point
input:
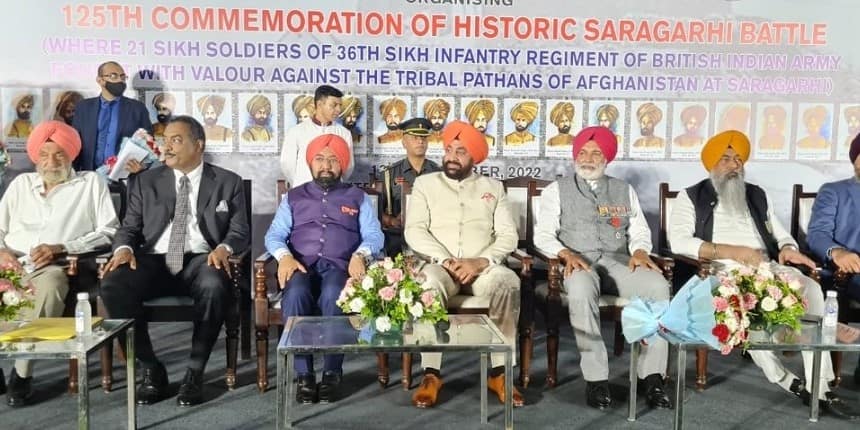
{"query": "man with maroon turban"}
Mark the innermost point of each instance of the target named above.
(724, 219)
(462, 222)
(594, 224)
(324, 232)
(44, 215)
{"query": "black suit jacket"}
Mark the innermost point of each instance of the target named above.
(152, 199)
(132, 116)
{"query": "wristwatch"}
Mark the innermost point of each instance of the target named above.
(364, 256)
(830, 252)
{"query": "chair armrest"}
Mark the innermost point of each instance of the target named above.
(72, 259)
(260, 290)
(525, 259)
(237, 259)
(703, 267)
(666, 265)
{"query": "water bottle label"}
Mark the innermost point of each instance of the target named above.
(79, 322)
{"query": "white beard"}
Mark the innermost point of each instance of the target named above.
(590, 173)
(732, 193)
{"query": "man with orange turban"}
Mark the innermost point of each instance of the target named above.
(462, 222)
(324, 232)
(773, 124)
(562, 117)
(692, 117)
(724, 219)
(523, 115)
(392, 110)
(44, 215)
(815, 119)
(480, 113)
(436, 111)
(594, 224)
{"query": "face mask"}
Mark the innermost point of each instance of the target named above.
(115, 88)
(162, 118)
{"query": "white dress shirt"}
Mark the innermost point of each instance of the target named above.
(548, 223)
(729, 229)
(294, 164)
(194, 240)
(78, 214)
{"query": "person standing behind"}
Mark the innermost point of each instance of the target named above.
(104, 120)
(327, 107)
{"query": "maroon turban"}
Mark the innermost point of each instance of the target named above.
(337, 145)
(57, 132)
(604, 138)
(470, 137)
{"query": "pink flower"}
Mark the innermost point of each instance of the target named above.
(720, 304)
(427, 298)
(725, 349)
(5, 285)
(750, 300)
(387, 293)
(394, 276)
(789, 301)
(775, 292)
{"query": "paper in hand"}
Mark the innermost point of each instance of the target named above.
(127, 153)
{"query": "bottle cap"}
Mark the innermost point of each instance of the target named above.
(83, 296)
(831, 293)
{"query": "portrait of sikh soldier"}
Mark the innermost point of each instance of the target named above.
(23, 124)
(436, 111)
(561, 116)
(692, 118)
(607, 116)
(164, 104)
(649, 116)
(480, 113)
(814, 118)
(260, 113)
(65, 110)
(349, 117)
(211, 107)
(303, 108)
(392, 111)
(523, 115)
(852, 119)
(773, 125)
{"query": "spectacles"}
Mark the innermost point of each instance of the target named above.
(116, 77)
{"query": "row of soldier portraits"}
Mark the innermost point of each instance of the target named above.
(514, 127)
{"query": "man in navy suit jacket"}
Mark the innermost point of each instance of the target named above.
(104, 120)
(834, 233)
(169, 245)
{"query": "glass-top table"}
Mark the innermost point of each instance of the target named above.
(78, 349)
(808, 339)
(347, 334)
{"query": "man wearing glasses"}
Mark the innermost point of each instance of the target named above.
(104, 120)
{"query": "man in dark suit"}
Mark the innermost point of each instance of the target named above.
(834, 233)
(104, 120)
(182, 223)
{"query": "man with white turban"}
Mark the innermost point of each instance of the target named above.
(523, 115)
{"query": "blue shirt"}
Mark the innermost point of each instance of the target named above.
(108, 124)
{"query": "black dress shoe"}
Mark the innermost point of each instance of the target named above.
(833, 405)
(2, 383)
(857, 374)
(597, 394)
(153, 387)
(191, 390)
(328, 388)
(655, 392)
(306, 389)
(20, 390)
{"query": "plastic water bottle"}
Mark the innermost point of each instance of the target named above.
(831, 318)
(83, 316)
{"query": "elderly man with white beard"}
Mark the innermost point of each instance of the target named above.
(594, 223)
(724, 219)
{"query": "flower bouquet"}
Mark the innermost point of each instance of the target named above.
(143, 148)
(13, 295)
(390, 294)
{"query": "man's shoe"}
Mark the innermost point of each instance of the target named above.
(191, 390)
(857, 374)
(833, 405)
(306, 389)
(427, 393)
(328, 388)
(20, 390)
(655, 392)
(2, 383)
(153, 387)
(496, 384)
(597, 394)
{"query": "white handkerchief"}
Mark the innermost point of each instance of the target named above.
(222, 207)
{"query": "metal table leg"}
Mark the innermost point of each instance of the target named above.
(680, 387)
(483, 388)
(635, 347)
(130, 379)
(83, 392)
(509, 390)
(285, 391)
(816, 386)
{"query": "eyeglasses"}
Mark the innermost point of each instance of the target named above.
(116, 77)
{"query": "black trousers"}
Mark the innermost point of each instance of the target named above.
(123, 292)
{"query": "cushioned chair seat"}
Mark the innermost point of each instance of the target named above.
(170, 301)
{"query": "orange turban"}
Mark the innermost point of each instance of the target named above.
(717, 146)
(469, 136)
(57, 132)
(604, 137)
(337, 145)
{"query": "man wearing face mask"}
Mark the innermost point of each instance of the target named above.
(104, 120)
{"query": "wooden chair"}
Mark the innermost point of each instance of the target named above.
(554, 302)
(180, 308)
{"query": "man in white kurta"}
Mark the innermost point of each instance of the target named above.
(462, 223)
(44, 215)
(327, 100)
(731, 222)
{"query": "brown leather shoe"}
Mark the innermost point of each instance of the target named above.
(496, 384)
(425, 395)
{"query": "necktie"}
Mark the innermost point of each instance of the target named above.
(103, 130)
(176, 246)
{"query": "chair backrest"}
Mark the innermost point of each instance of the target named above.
(533, 196)
(374, 191)
(281, 189)
(517, 190)
(801, 212)
(667, 198)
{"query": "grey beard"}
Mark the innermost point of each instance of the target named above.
(732, 193)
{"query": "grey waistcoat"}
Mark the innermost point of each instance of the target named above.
(594, 223)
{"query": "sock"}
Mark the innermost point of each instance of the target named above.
(497, 371)
(24, 368)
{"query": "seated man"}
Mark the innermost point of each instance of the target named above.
(594, 223)
(43, 216)
(462, 222)
(834, 233)
(183, 221)
(324, 232)
(725, 219)
(415, 132)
